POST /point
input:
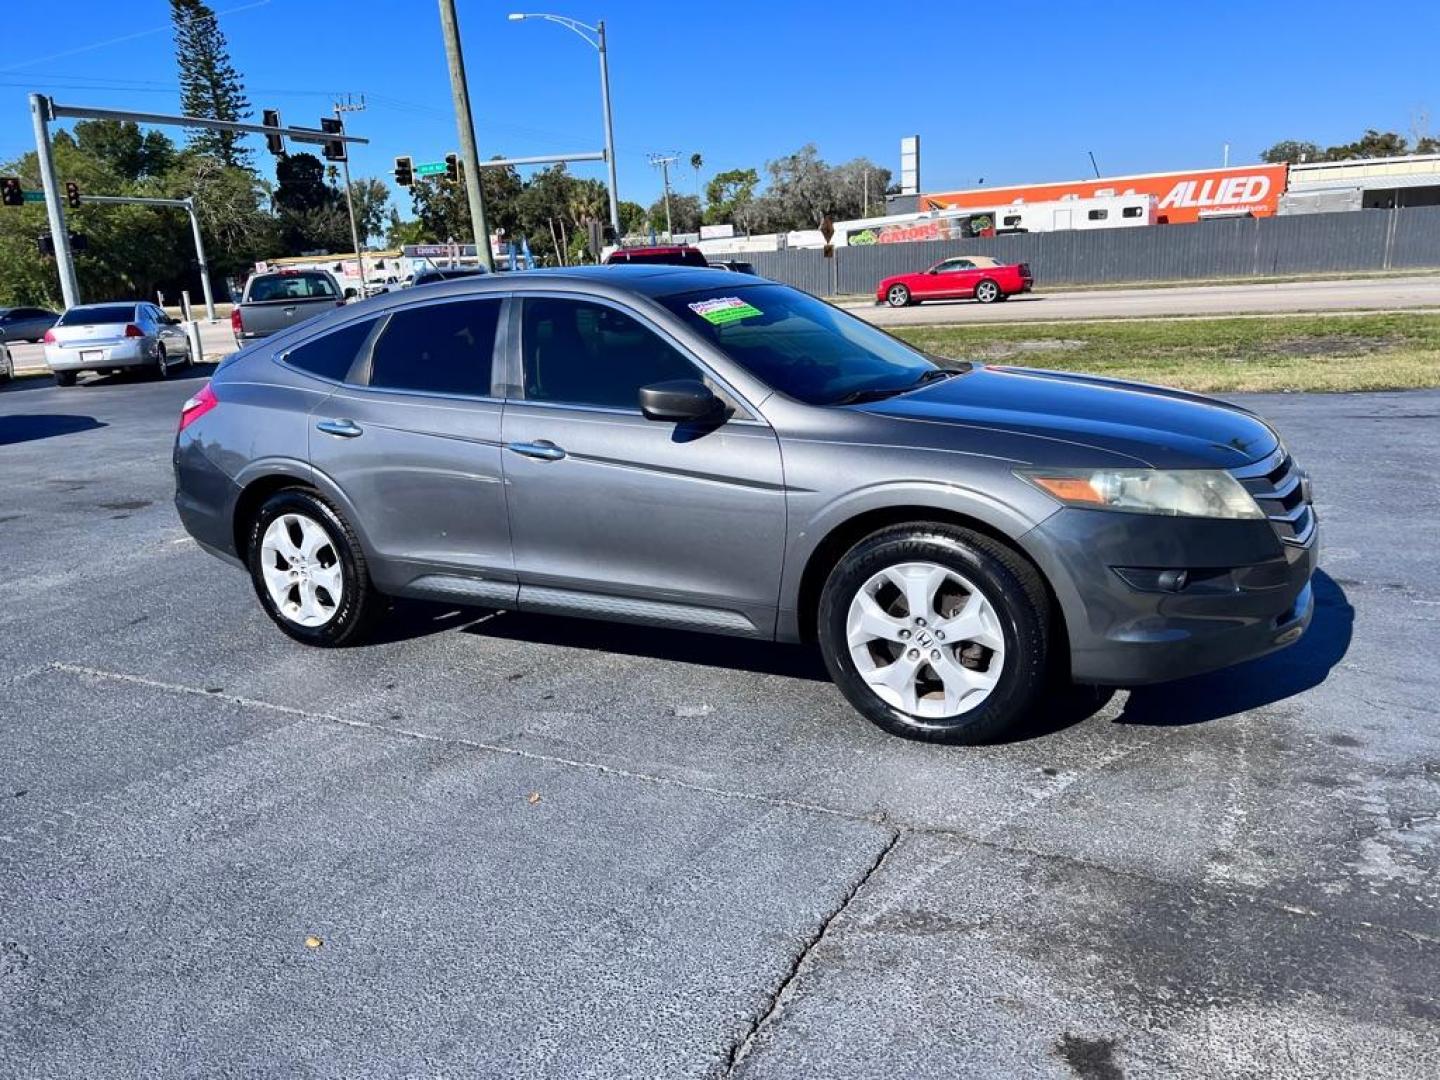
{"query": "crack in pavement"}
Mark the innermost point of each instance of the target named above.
(898, 830)
(803, 960)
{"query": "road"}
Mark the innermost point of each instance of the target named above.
(1362, 294)
(503, 845)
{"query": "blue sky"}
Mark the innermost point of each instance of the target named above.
(1011, 92)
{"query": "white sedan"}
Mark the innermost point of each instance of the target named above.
(115, 337)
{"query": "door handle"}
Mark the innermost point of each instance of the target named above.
(346, 429)
(544, 449)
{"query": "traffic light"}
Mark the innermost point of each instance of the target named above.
(72, 194)
(452, 167)
(404, 171)
(334, 148)
(274, 141)
(11, 193)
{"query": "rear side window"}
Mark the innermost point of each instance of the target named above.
(299, 286)
(331, 355)
(100, 313)
(440, 348)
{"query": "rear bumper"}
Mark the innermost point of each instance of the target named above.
(1247, 593)
(135, 352)
(205, 499)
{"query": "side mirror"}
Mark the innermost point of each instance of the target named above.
(933, 270)
(678, 401)
(350, 294)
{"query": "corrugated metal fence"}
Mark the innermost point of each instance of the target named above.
(1235, 248)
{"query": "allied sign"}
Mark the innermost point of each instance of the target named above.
(1180, 196)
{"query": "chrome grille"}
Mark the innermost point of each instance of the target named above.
(1279, 488)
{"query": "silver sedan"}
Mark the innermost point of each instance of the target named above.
(115, 337)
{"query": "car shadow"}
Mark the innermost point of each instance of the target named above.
(1256, 683)
(184, 374)
(678, 646)
(19, 383)
(28, 428)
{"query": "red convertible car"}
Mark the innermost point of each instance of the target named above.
(980, 276)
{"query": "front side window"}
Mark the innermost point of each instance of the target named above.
(577, 352)
(439, 348)
(801, 346)
(330, 355)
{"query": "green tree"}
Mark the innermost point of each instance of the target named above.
(371, 198)
(231, 204)
(1291, 152)
(209, 84)
(121, 144)
(1373, 144)
(685, 214)
(728, 196)
(633, 217)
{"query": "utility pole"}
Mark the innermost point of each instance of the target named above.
(469, 156)
(663, 162)
(40, 112)
(609, 129)
(342, 107)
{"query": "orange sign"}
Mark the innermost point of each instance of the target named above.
(1180, 196)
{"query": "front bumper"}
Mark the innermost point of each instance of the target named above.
(1247, 593)
(134, 352)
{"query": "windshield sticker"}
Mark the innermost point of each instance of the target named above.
(724, 309)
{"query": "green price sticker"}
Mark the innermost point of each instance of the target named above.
(724, 309)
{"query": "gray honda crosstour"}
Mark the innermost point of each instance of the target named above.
(693, 450)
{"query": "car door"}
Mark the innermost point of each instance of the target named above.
(617, 516)
(412, 439)
(959, 278)
(167, 333)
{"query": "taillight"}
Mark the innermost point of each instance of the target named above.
(237, 322)
(49, 337)
(131, 330)
(197, 406)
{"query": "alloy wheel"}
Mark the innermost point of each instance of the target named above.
(302, 570)
(925, 640)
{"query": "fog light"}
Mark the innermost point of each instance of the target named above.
(1172, 580)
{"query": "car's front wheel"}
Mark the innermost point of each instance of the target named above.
(309, 571)
(936, 632)
(897, 296)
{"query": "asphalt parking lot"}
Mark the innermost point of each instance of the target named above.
(504, 845)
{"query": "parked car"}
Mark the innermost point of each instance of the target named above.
(666, 254)
(431, 274)
(25, 323)
(278, 299)
(980, 276)
(675, 447)
(7, 364)
(735, 266)
(121, 336)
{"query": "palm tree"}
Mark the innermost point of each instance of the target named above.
(697, 163)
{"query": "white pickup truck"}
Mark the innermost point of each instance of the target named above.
(278, 299)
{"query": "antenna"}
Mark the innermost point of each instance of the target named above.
(1092, 163)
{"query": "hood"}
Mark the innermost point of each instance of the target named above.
(1166, 429)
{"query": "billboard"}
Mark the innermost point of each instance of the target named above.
(1180, 196)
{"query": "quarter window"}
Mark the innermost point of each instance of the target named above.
(439, 348)
(581, 353)
(331, 355)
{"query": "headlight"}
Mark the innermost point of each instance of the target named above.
(1210, 493)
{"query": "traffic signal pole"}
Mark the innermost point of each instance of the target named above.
(54, 210)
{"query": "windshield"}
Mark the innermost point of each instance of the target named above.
(801, 346)
(101, 313)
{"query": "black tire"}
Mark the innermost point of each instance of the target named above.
(64, 378)
(1011, 585)
(987, 291)
(898, 296)
(161, 371)
(360, 604)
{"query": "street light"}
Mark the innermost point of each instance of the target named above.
(580, 29)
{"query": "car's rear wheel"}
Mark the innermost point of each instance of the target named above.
(987, 292)
(309, 571)
(161, 369)
(937, 633)
(64, 378)
(897, 296)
